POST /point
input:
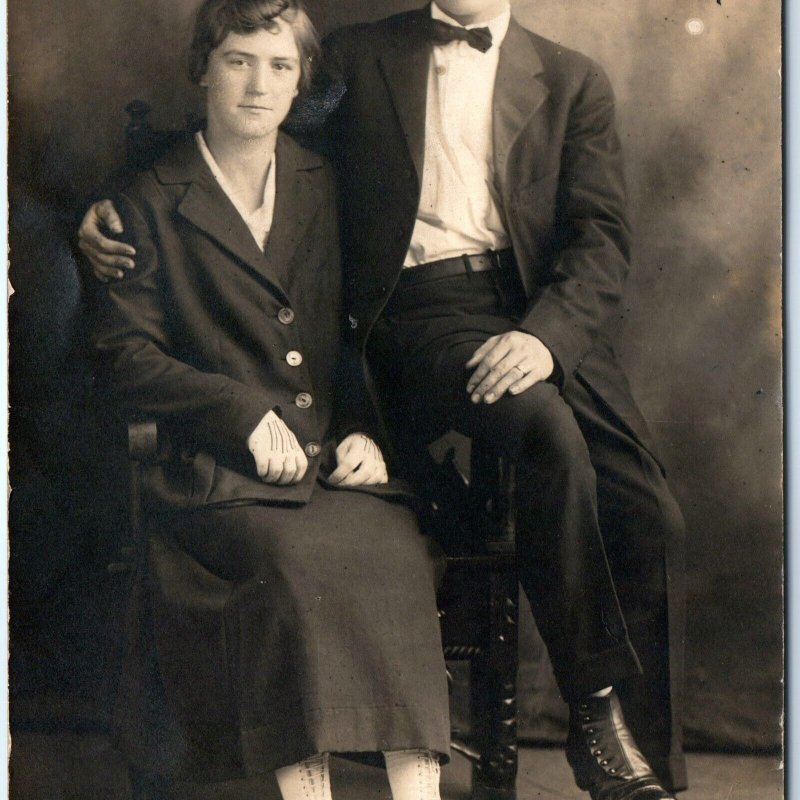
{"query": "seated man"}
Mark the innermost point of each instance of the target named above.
(486, 245)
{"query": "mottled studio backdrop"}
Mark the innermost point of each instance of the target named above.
(699, 116)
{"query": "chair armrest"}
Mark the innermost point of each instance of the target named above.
(142, 452)
(143, 441)
(470, 517)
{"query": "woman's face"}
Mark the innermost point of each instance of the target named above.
(251, 81)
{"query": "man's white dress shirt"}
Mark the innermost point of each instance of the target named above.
(459, 210)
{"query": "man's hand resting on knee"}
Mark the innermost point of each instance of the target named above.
(511, 362)
(108, 257)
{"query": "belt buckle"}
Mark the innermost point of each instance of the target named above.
(494, 258)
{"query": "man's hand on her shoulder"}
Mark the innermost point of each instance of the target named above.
(108, 257)
(510, 362)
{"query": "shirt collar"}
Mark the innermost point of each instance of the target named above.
(498, 25)
(219, 175)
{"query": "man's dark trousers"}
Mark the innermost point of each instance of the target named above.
(596, 520)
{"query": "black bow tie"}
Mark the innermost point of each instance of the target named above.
(479, 38)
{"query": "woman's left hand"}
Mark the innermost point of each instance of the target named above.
(359, 462)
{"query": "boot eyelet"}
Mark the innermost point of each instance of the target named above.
(593, 742)
(604, 762)
(590, 731)
(613, 771)
(587, 719)
(598, 752)
(584, 706)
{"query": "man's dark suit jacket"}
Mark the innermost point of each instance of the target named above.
(558, 171)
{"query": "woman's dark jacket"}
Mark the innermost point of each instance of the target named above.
(208, 333)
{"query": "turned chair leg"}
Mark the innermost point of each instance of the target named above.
(493, 684)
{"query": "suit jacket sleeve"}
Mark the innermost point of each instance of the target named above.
(133, 339)
(590, 248)
(355, 409)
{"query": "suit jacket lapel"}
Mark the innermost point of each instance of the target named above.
(208, 208)
(405, 70)
(296, 202)
(518, 94)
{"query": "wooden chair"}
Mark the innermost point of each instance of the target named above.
(474, 520)
(478, 608)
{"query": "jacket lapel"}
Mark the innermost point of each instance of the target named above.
(405, 70)
(519, 93)
(296, 202)
(208, 208)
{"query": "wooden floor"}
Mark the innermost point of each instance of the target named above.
(84, 767)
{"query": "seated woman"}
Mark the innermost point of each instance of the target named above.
(287, 609)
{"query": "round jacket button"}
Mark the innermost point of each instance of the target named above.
(303, 400)
(286, 316)
(293, 358)
(312, 449)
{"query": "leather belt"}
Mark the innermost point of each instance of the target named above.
(462, 265)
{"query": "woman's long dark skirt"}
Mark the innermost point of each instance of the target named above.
(260, 635)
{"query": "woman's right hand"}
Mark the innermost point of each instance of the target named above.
(277, 453)
(108, 257)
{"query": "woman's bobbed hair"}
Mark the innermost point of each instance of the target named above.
(217, 18)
